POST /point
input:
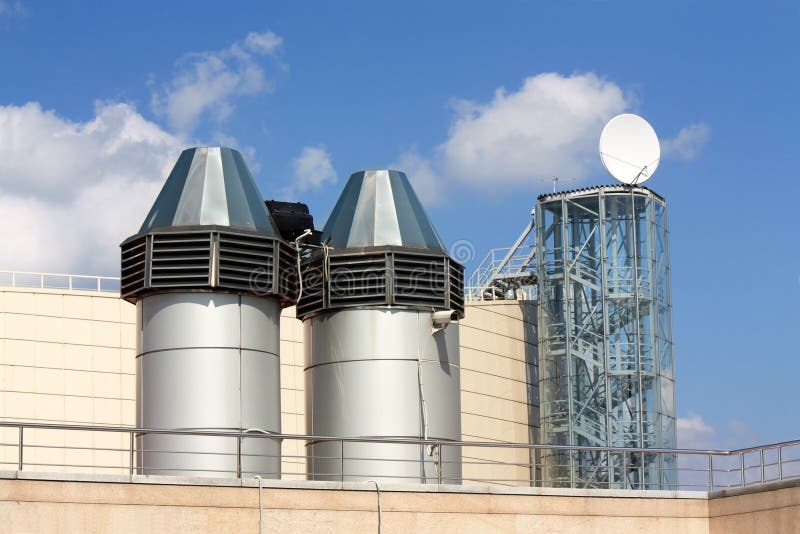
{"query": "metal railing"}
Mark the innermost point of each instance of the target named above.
(499, 273)
(474, 294)
(47, 447)
(77, 282)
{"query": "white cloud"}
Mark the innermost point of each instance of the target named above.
(70, 192)
(425, 180)
(262, 43)
(313, 168)
(695, 433)
(549, 127)
(689, 142)
(206, 83)
(12, 8)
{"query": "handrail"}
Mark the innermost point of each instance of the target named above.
(42, 280)
(681, 462)
(400, 441)
(473, 294)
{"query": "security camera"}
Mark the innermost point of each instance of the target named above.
(443, 318)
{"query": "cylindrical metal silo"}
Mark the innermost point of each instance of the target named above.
(209, 274)
(376, 365)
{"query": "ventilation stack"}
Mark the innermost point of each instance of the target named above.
(208, 274)
(376, 364)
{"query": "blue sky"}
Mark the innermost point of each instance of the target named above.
(481, 102)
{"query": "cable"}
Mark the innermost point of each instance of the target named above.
(422, 398)
(378, 490)
(260, 488)
(429, 449)
(305, 234)
(260, 506)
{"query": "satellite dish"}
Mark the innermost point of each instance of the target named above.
(629, 149)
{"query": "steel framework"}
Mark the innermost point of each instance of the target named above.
(605, 338)
(507, 273)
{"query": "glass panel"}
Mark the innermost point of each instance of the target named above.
(606, 343)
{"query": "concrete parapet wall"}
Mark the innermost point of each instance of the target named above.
(38, 502)
(31, 505)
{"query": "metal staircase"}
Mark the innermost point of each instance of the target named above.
(507, 273)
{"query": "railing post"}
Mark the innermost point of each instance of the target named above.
(70, 281)
(19, 461)
(341, 461)
(741, 458)
(710, 472)
(440, 449)
(238, 456)
(780, 463)
(761, 456)
(130, 451)
(624, 469)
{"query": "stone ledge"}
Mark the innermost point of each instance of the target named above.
(755, 488)
(394, 487)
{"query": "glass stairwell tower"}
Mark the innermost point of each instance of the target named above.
(605, 338)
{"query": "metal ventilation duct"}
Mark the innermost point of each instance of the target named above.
(209, 274)
(380, 249)
(375, 364)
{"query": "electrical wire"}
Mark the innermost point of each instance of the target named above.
(260, 506)
(380, 513)
(297, 240)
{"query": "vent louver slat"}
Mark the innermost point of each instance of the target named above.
(312, 300)
(287, 272)
(134, 262)
(229, 260)
(357, 280)
(387, 277)
(419, 280)
(246, 263)
(180, 260)
(456, 287)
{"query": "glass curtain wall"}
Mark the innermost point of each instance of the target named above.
(605, 337)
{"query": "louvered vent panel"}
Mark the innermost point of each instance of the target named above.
(420, 280)
(180, 260)
(134, 261)
(312, 299)
(382, 278)
(246, 263)
(287, 269)
(456, 287)
(357, 280)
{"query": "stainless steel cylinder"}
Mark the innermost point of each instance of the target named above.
(382, 372)
(208, 361)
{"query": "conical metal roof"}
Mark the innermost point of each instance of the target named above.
(379, 208)
(209, 186)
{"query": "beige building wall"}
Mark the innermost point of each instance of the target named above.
(499, 389)
(293, 397)
(69, 356)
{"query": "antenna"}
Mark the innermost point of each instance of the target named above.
(557, 179)
(629, 149)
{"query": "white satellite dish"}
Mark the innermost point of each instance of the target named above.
(629, 149)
